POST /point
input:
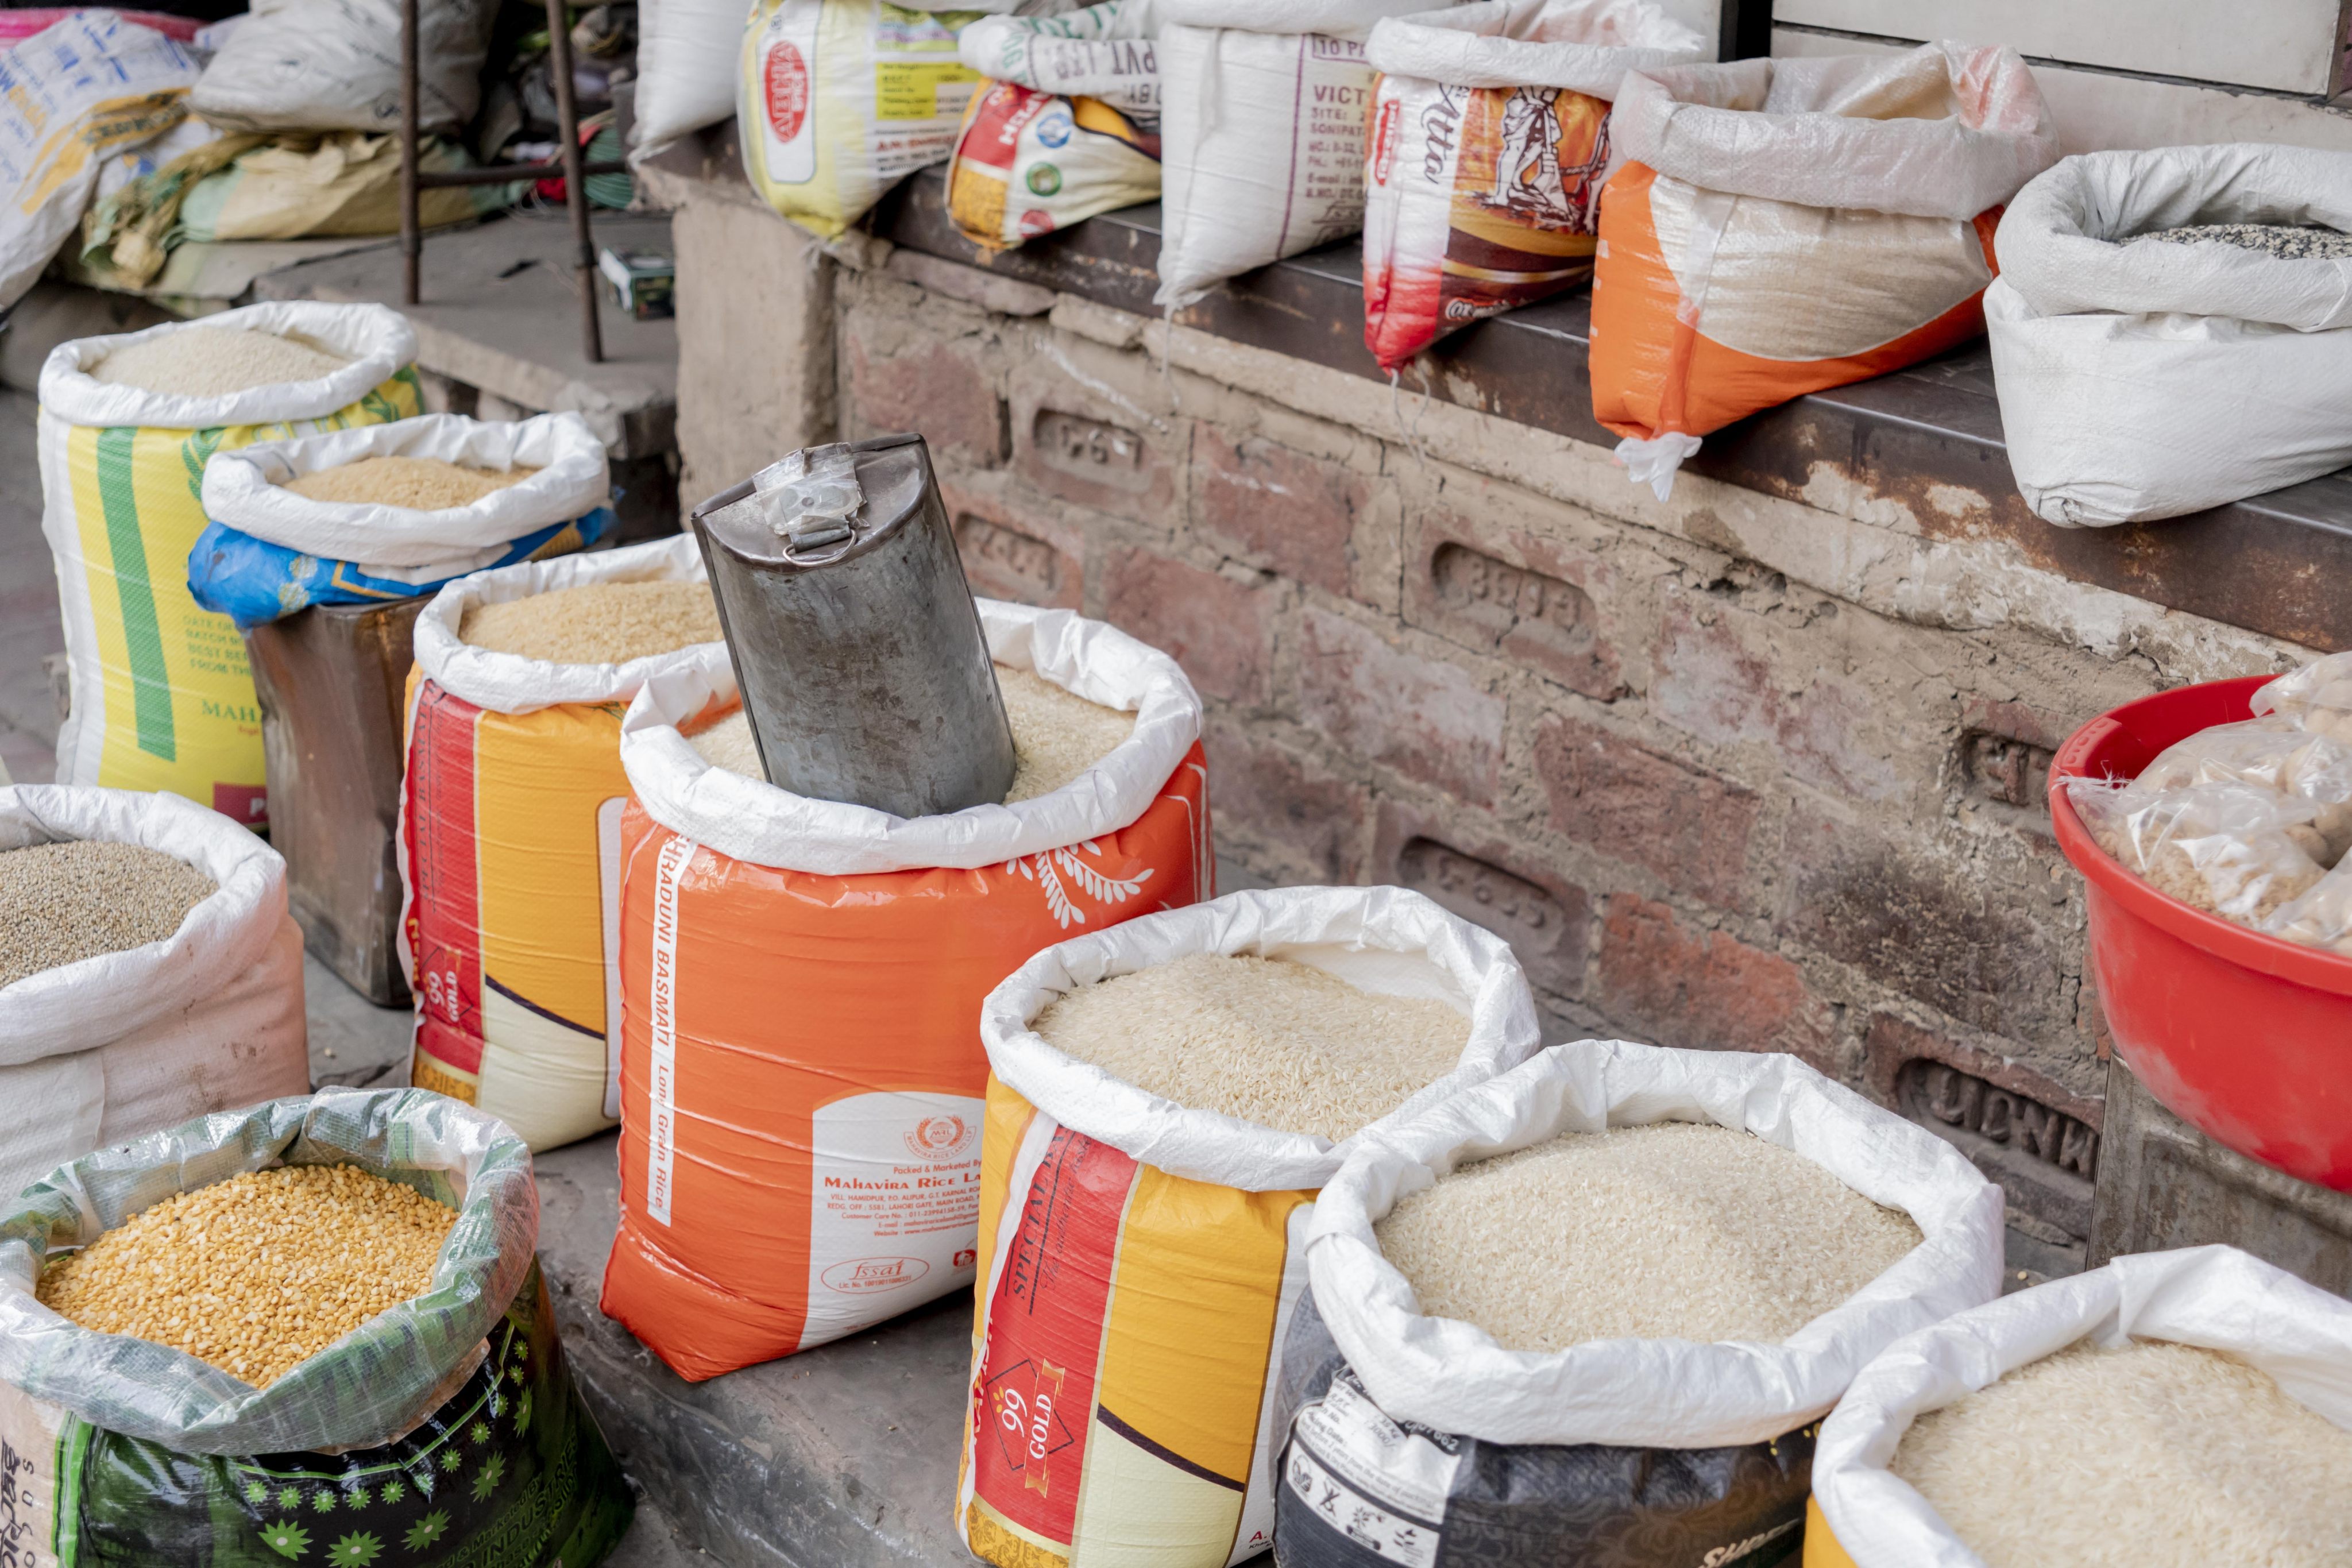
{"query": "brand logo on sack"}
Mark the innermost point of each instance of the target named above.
(1022, 1402)
(937, 1136)
(1384, 142)
(788, 90)
(1738, 1550)
(869, 1275)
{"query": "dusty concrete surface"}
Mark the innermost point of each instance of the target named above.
(30, 629)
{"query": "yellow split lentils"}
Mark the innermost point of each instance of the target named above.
(257, 1273)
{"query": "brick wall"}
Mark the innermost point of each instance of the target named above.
(1728, 772)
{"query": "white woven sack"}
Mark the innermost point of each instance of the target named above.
(1453, 1376)
(334, 65)
(376, 339)
(1102, 52)
(1584, 46)
(2216, 1296)
(2149, 380)
(686, 55)
(1262, 133)
(1388, 941)
(244, 489)
(123, 1044)
(751, 819)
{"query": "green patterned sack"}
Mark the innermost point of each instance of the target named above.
(116, 1453)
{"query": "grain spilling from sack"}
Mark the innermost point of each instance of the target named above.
(596, 623)
(2287, 242)
(61, 903)
(257, 1273)
(1057, 735)
(1280, 1043)
(214, 362)
(420, 484)
(2152, 1456)
(1676, 1230)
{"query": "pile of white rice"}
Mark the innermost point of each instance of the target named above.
(2153, 1455)
(1280, 1043)
(1057, 735)
(214, 362)
(1678, 1230)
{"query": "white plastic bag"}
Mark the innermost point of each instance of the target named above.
(687, 54)
(2150, 379)
(334, 65)
(1154, 1249)
(1490, 143)
(71, 96)
(2317, 698)
(2215, 1297)
(1262, 132)
(1104, 52)
(123, 1044)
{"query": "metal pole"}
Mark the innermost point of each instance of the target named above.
(412, 232)
(576, 178)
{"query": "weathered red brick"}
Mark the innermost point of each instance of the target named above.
(1220, 630)
(1707, 989)
(1489, 881)
(1892, 1041)
(1099, 457)
(927, 387)
(1530, 599)
(1259, 790)
(1690, 827)
(1286, 511)
(1422, 715)
(1006, 556)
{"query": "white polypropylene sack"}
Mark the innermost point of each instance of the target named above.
(2149, 380)
(90, 86)
(2215, 1297)
(1453, 1376)
(375, 338)
(1262, 132)
(244, 489)
(688, 51)
(1104, 52)
(334, 65)
(126, 1043)
(751, 819)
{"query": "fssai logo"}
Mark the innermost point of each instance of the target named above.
(866, 1276)
(938, 1137)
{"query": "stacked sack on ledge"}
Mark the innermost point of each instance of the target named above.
(1784, 226)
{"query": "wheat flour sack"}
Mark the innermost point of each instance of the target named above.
(1489, 145)
(1780, 227)
(1865, 1515)
(1424, 1439)
(1262, 132)
(2145, 377)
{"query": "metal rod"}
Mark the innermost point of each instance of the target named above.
(506, 174)
(575, 169)
(411, 231)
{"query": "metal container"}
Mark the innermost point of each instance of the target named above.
(859, 654)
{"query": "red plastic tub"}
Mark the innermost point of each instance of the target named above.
(2246, 1035)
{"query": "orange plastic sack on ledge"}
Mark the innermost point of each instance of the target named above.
(801, 987)
(1784, 226)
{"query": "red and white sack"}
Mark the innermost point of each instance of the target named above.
(1489, 145)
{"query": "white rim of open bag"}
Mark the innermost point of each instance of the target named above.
(1389, 941)
(2216, 1296)
(53, 1012)
(377, 339)
(244, 488)
(751, 819)
(1583, 46)
(1452, 1376)
(1332, 18)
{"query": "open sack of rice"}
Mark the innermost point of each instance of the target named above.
(1603, 1297)
(1165, 1101)
(392, 512)
(510, 823)
(311, 1331)
(2170, 1410)
(2170, 330)
(162, 698)
(1783, 225)
(802, 979)
(1489, 145)
(149, 972)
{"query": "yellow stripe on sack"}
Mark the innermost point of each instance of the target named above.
(430, 1072)
(997, 1540)
(1821, 1549)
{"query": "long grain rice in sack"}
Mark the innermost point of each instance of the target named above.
(1488, 146)
(162, 697)
(793, 1174)
(510, 823)
(1601, 1299)
(2171, 1410)
(312, 1331)
(1784, 226)
(149, 970)
(1165, 1101)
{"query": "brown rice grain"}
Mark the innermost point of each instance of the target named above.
(596, 623)
(418, 484)
(61, 903)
